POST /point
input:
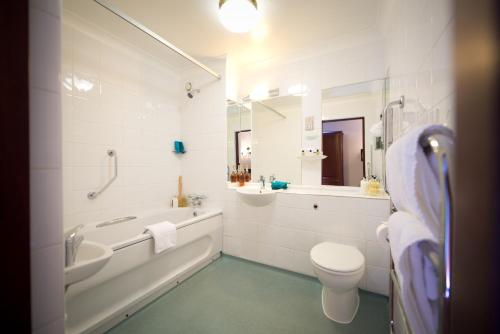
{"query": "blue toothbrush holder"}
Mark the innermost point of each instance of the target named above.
(179, 147)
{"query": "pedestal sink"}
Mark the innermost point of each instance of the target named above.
(90, 258)
(256, 196)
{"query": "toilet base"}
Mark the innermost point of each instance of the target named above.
(340, 307)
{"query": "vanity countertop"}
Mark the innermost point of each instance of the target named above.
(319, 190)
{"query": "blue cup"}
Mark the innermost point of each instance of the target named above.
(179, 146)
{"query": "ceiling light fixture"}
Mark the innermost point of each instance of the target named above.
(238, 16)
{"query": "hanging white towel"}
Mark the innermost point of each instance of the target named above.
(417, 277)
(164, 235)
(413, 178)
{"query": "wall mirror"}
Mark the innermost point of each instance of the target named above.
(277, 138)
(351, 131)
(239, 136)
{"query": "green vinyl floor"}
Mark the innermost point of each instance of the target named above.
(235, 296)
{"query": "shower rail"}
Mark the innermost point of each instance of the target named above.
(155, 36)
(94, 194)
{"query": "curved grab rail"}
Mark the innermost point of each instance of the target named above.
(94, 194)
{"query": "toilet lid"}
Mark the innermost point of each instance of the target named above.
(337, 257)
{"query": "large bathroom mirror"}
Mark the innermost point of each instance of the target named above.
(277, 139)
(239, 136)
(266, 137)
(351, 131)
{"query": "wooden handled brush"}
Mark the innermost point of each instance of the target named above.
(182, 200)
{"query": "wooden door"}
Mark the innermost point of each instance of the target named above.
(332, 169)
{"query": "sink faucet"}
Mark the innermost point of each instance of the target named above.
(72, 240)
(262, 181)
(272, 178)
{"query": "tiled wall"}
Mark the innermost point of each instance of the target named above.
(419, 55)
(116, 97)
(204, 132)
(47, 285)
(283, 233)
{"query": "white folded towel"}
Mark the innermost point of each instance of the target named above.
(164, 235)
(413, 178)
(417, 277)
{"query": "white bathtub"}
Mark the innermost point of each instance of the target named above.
(135, 276)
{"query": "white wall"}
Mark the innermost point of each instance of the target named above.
(352, 143)
(276, 143)
(133, 107)
(419, 52)
(282, 234)
(204, 131)
(47, 254)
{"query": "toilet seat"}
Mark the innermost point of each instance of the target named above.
(342, 259)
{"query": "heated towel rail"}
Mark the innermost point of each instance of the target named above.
(434, 146)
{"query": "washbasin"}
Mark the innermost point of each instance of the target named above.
(90, 258)
(257, 196)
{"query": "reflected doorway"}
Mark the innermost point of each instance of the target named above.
(344, 146)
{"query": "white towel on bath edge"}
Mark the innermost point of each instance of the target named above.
(417, 278)
(164, 235)
(413, 178)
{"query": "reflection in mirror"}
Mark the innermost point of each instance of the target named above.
(239, 137)
(351, 133)
(277, 138)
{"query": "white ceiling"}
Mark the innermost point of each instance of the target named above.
(192, 25)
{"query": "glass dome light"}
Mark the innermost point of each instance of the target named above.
(238, 16)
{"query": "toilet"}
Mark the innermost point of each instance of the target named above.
(339, 268)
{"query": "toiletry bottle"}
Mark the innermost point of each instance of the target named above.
(241, 178)
(234, 176)
(247, 175)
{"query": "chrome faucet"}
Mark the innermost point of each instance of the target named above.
(72, 240)
(262, 181)
(272, 178)
(196, 200)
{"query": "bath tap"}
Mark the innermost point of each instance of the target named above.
(72, 240)
(262, 181)
(196, 200)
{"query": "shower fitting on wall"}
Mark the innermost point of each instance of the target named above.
(190, 91)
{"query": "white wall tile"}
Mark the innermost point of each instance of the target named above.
(47, 285)
(46, 207)
(282, 235)
(377, 280)
(45, 125)
(377, 254)
(109, 105)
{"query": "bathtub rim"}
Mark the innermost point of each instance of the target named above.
(207, 213)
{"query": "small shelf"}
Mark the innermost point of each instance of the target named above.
(312, 157)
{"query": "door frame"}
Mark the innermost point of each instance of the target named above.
(362, 118)
(237, 144)
(15, 167)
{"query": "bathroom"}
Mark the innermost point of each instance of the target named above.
(250, 166)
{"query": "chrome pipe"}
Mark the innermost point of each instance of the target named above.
(155, 36)
(116, 221)
(94, 194)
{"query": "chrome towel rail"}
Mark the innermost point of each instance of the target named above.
(94, 194)
(433, 145)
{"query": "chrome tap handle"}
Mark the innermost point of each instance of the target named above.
(272, 178)
(72, 240)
